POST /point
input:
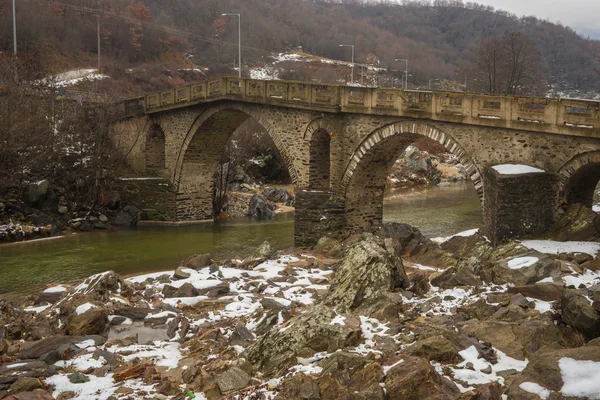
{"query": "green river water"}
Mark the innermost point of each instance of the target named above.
(27, 267)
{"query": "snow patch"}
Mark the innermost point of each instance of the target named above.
(476, 376)
(387, 369)
(82, 309)
(522, 262)
(580, 378)
(531, 387)
(553, 247)
(339, 320)
(516, 169)
(56, 289)
(467, 233)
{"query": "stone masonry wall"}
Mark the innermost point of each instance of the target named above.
(317, 214)
(518, 206)
(154, 197)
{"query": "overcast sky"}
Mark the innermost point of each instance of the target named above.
(582, 14)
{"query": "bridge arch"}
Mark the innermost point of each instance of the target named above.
(318, 136)
(364, 179)
(201, 151)
(579, 178)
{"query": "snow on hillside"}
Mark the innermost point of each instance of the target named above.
(271, 71)
(71, 78)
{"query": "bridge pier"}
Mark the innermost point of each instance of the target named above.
(519, 205)
(318, 213)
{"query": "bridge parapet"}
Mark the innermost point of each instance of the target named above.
(559, 116)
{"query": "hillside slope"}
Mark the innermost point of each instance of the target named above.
(437, 40)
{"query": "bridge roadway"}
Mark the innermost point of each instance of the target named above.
(338, 143)
(539, 114)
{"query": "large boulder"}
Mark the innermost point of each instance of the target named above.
(279, 196)
(304, 335)
(367, 274)
(128, 217)
(579, 313)
(37, 192)
(329, 247)
(86, 319)
(260, 208)
(400, 233)
(364, 285)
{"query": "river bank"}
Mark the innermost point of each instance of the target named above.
(387, 316)
(26, 267)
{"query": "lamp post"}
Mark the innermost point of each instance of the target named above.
(350, 45)
(239, 40)
(14, 27)
(405, 83)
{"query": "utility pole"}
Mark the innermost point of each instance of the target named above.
(239, 40)
(98, 30)
(14, 27)
(405, 83)
(350, 45)
(98, 33)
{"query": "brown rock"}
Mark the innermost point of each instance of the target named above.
(133, 313)
(124, 390)
(577, 311)
(93, 321)
(37, 394)
(129, 373)
(541, 291)
(457, 276)
(416, 379)
(544, 370)
(435, 348)
(329, 247)
(25, 384)
(491, 391)
(233, 379)
(198, 261)
(180, 273)
(41, 347)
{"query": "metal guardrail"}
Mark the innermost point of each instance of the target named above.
(562, 116)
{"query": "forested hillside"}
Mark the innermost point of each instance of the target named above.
(437, 37)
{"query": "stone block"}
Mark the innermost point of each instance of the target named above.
(519, 205)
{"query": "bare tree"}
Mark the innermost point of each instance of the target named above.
(520, 64)
(510, 65)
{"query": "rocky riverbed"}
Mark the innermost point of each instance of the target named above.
(384, 315)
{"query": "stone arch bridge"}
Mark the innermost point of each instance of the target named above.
(338, 143)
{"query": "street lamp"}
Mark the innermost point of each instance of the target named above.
(14, 27)
(239, 40)
(405, 84)
(350, 45)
